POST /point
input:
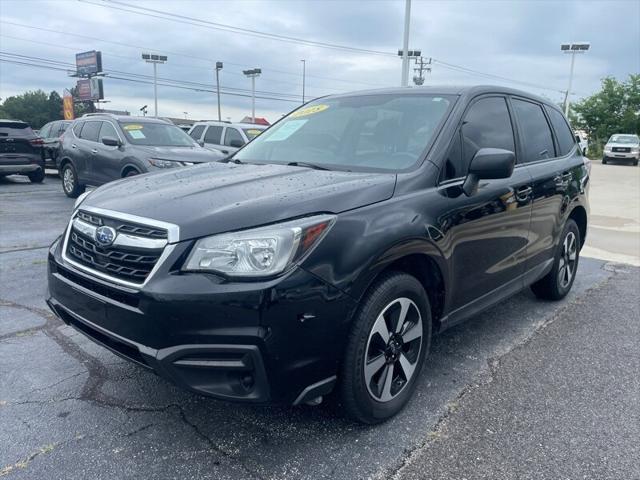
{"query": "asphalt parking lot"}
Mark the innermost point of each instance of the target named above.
(528, 389)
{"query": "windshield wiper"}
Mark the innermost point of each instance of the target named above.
(307, 164)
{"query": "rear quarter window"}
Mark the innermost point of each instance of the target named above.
(565, 137)
(77, 128)
(196, 133)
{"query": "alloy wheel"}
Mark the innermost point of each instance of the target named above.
(393, 349)
(568, 260)
(68, 179)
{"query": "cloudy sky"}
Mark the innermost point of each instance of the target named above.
(517, 43)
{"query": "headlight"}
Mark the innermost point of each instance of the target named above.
(259, 252)
(635, 150)
(81, 199)
(160, 163)
(607, 148)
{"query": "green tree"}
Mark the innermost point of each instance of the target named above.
(30, 107)
(614, 109)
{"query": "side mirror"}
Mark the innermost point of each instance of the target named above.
(111, 141)
(488, 163)
(236, 143)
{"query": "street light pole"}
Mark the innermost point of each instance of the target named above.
(573, 49)
(155, 60)
(252, 74)
(304, 74)
(405, 44)
(218, 68)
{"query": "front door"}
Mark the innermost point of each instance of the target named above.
(107, 159)
(485, 235)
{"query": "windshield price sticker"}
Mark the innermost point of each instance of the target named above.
(137, 134)
(303, 112)
(286, 130)
(254, 132)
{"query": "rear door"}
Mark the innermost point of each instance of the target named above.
(213, 137)
(551, 156)
(107, 161)
(488, 232)
(86, 147)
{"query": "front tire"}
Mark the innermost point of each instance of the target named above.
(604, 161)
(389, 340)
(558, 282)
(70, 185)
(37, 176)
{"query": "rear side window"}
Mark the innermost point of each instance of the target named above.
(487, 124)
(232, 134)
(196, 133)
(565, 137)
(15, 129)
(63, 127)
(213, 135)
(77, 128)
(536, 135)
(90, 131)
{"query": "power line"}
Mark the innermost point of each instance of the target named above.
(185, 55)
(177, 84)
(174, 17)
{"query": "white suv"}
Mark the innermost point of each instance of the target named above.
(223, 136)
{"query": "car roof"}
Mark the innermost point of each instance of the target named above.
(7, 120)
(459, 90)
(122, 118)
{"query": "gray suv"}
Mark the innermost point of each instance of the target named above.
(99, 148)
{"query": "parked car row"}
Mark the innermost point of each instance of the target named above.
(224, 136)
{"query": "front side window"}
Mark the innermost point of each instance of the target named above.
(196, 133)
(213, 135)
(156, 134)
(487, 124)
(90, 131)
(232, 134)
(565, 137)
(44, 131)
(386, 132)
(535, 132)
(108, 130)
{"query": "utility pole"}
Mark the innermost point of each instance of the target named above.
(252, 74)
(572, 49)
(218, 68)
(421, 67)
(405, 45)
(155, 60)
(304, 75)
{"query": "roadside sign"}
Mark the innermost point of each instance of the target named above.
(67, 105)
(88, 63)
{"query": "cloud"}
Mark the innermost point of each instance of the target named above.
(518, 40)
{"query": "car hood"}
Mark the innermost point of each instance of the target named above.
(221, 197)
(183, 154)
(623, 145)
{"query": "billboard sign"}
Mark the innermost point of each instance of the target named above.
(90, 89)
(88, 63)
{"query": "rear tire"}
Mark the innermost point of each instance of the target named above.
(389, 340)
(70, 185)
(37, 176)
(604, 161)
(558, 282)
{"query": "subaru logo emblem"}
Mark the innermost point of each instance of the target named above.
(105, 236)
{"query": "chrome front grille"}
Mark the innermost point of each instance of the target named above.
(129, 259)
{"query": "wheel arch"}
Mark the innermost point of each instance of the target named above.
(579, 215)
(128, 167)
(421, 260)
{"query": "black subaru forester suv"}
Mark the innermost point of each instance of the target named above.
(326, 253)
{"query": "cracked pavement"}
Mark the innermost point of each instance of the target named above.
(71, 409)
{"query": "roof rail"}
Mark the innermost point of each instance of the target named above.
(97, 114)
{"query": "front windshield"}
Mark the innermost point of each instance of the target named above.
(156, 134)
(386, 131)
(630, 139)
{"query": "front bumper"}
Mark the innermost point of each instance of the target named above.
(622, 155)
(260, 342)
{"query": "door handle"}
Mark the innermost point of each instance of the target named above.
(522, 193)
(94, 151)
(73, 145)
(225, 151)
(564, 179)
